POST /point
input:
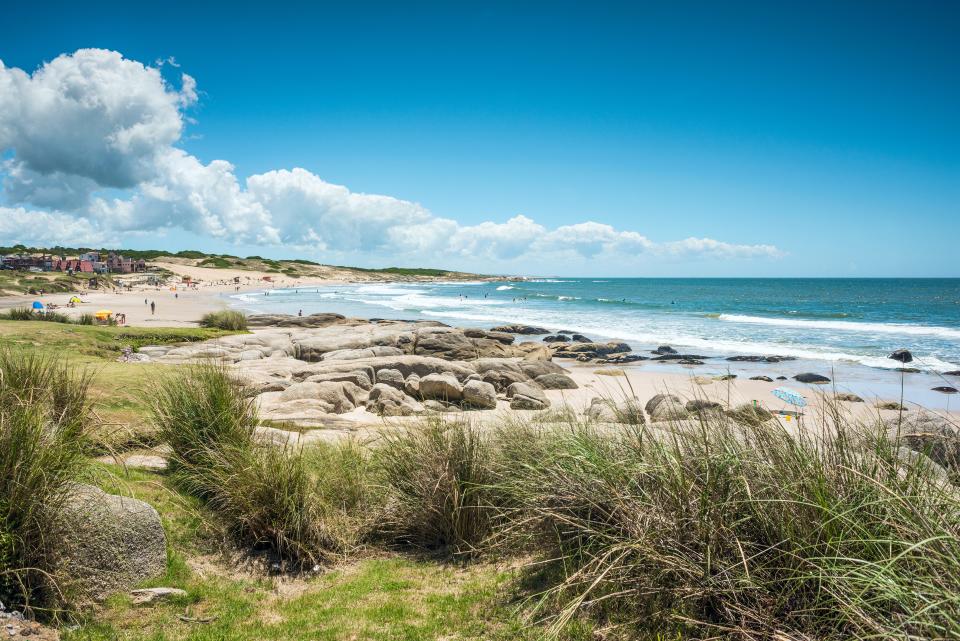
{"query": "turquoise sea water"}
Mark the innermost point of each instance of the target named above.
(846, 324)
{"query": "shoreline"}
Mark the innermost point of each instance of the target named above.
(183, 306)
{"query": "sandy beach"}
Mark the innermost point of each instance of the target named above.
(175, 305)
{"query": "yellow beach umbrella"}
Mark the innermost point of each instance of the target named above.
(74, 299)
(103, 314)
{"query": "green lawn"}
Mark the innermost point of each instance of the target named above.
(117, 388)
(386, 597)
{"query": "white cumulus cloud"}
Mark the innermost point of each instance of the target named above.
(91, 145)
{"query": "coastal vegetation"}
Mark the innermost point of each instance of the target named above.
(546, 525)
(227, 320)
(15, 282)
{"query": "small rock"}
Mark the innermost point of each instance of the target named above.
(664, 349)
(702, 405)
(890, 405)
(902, 356)
(152, 595)
(726, 377)
(580, 338)
(944, 389)
(781, 378)
(955, 372)
(559, 338)
(809, 377)
(765, 379)
(849, 398)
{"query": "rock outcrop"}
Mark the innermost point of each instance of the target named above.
(107, 543)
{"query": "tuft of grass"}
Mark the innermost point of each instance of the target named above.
(44, 415)
(439, 489)
(227, 319)
(265, 496)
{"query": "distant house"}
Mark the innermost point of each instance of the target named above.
(119, 264)
(72, 265)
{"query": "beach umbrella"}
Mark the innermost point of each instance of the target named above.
(103, 314)
(790, 396)
(37, 304)
(75, 299)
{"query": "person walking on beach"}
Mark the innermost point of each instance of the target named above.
(153, 307)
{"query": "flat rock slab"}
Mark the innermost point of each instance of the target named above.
(153, 595)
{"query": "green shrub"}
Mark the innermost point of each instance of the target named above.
(44, 415)
(226, 319)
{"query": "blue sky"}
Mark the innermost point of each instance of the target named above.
(827, 130)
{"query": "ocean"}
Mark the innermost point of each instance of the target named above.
(847, 326)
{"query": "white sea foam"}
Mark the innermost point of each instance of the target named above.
(707, 346)
(847, 326)
(504, 288)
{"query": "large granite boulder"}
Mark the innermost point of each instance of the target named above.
(364, 352)
(501, 337)
(935, 436)
(520, 329)
(391, 377)
(555, 381)
(750, 414)
(287, 320)
(627, 411)
(106, 543)
(533, 369)
(809, 377)
(335, 397)
(524, 396)
(359, 378)
(440, 387)
(407, 364)
(387, 400)
(666, 407)
(702, 405)
(480, 395)
(593, 350)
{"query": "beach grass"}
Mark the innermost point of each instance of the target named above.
(542, 526)
(227, 320)
(44, 416)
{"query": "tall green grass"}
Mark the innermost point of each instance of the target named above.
(226, 319)
(439, 490)
(23, 314)
(44, 416)
(724, 525)
(744, 531)
(265, 496)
